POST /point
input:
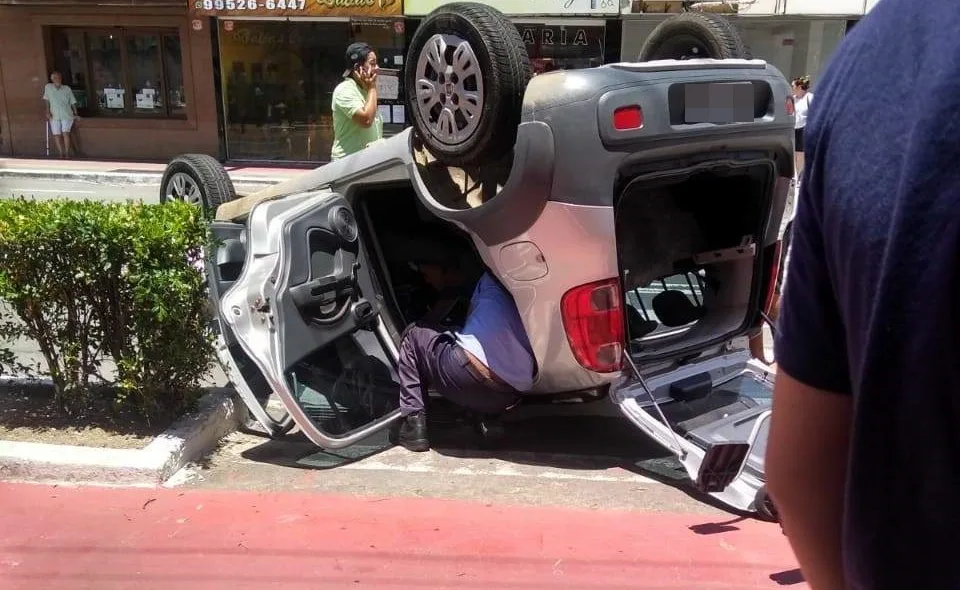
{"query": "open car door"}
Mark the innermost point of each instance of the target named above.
(299, 320)
(713, 416)
(224, 264)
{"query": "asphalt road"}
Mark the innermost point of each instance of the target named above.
(39, 189)
(70, 189)
(570, 461)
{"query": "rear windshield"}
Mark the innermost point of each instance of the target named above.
(645, 323)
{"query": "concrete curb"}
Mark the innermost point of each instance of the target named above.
(117, 178)
(219, 413)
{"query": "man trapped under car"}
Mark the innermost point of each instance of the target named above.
(483, 367)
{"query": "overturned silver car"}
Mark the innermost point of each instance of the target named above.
(632, 210)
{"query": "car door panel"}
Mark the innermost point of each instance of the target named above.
(649, 401)
(224, 264)
(302, 310)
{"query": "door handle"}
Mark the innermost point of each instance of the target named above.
(322, 291)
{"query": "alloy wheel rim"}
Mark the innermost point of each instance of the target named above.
(182, 187)
(449, 89)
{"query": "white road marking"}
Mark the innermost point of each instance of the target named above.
(49, 190)
(77, 173)
(65, 483)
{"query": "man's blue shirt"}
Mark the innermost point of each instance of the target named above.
(494, 333)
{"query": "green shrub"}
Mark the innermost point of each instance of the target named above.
(91, 282)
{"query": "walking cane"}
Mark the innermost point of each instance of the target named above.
(46, 126)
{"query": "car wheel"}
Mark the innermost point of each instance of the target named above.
(198, 179)
(695, 35)
(467, 69)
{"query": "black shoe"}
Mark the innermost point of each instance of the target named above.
(413, 433)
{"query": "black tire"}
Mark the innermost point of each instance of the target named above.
(207, 173)
(693, 35)
(504, 71)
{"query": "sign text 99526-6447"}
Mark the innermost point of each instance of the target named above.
(339, 8)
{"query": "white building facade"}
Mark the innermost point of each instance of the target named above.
(797, 36)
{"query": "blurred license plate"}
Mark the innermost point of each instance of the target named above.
(718, 102)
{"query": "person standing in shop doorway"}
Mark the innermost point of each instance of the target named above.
(802, 97)
(356, 120)
(61, 106)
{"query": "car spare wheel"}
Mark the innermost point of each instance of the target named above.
(466, 71)
(198, 179)
(695, 35)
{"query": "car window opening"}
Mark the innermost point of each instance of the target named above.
(688, 247)
(408, 244)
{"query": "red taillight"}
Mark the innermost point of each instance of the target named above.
(772, 280)
(791, 109)
(626, 118)
(593, 320)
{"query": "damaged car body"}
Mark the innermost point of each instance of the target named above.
(636, 229)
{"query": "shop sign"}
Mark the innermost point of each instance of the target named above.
(562, 39)
(287, 8)
(554, 47)
(527, 7)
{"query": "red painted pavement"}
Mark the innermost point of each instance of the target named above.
(103, 538)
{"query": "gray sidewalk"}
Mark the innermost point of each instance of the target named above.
(108, 180)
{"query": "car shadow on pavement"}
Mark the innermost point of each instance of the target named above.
(588, 443)
(577, 442)
(564, 442)
(297, 451)
(552, 441)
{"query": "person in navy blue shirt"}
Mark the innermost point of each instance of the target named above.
(484, 366)
(863, 459)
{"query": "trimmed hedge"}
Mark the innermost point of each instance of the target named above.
(91, 282)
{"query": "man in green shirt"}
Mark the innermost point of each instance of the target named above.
(356, 120)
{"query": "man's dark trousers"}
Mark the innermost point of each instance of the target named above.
(431, 357)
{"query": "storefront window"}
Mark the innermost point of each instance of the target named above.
(562, 46)
(278, 81)
(69, 58)
(131, 72)
(145, 73)
(106, 66)
(173, 69)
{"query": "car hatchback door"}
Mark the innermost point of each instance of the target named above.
(301, 316)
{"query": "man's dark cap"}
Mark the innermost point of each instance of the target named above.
(356, 54)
